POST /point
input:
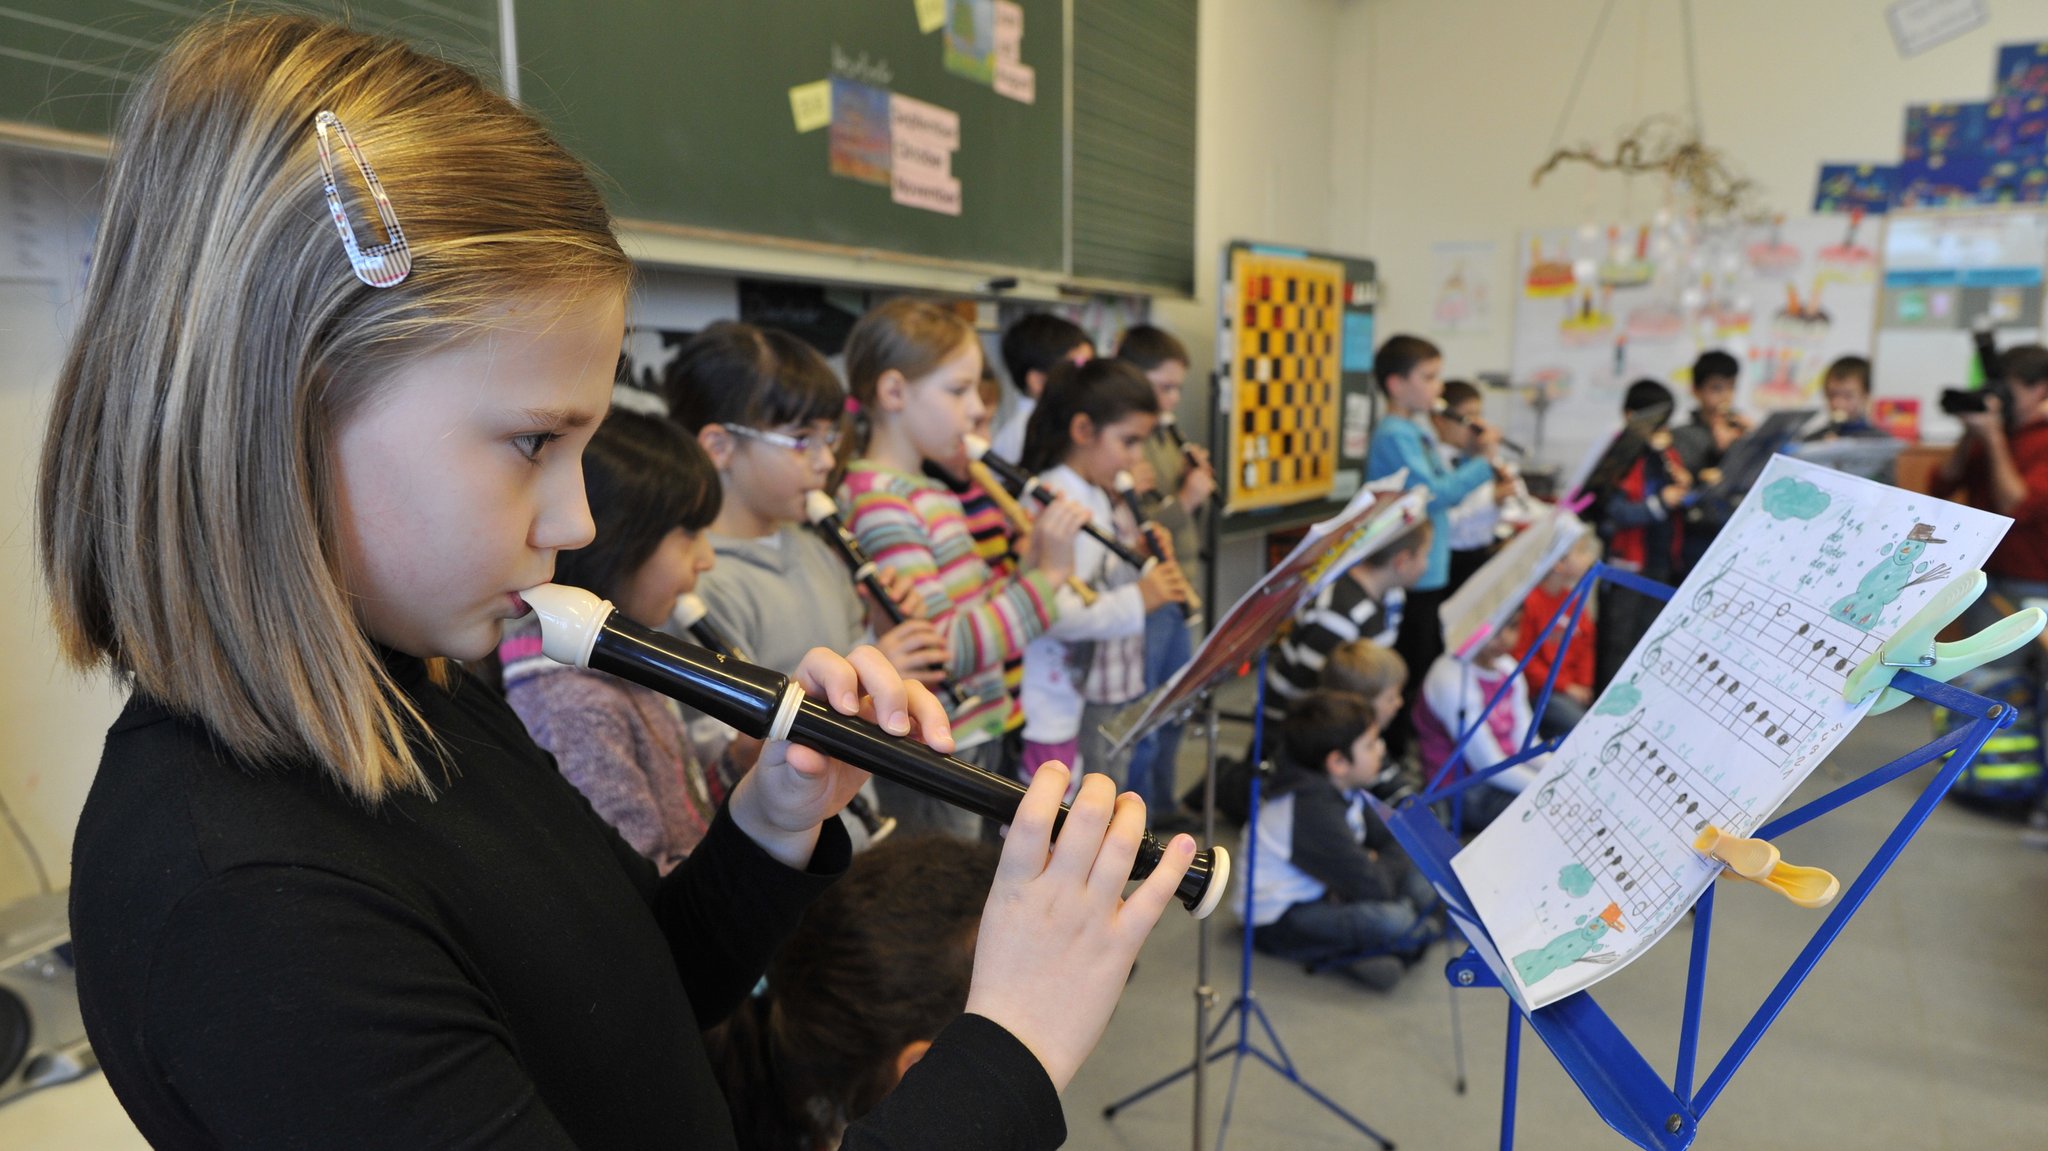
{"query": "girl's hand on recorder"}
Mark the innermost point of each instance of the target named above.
(791, 790)
(1058, 937)
(916, 650)
(1051, 549)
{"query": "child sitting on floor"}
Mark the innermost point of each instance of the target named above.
(1454, 696)
(1324, 887)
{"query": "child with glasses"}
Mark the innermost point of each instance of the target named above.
(767, 409)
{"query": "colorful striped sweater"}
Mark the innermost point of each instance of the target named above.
(997, 546)
(915, 527)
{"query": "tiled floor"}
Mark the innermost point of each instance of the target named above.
(1926, 1026)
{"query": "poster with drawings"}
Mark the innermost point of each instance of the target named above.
(1734, 695)
(1595, 310)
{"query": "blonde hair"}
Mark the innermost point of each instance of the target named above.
(187, 515)
(1364, 668)
(908, 335)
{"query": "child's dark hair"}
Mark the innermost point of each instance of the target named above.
(2027, 363)
(1039, 342)
(882, 960)
(1714, 365)
(1104, 390)
(1459, 392)
(1851, 368)
(734, 373)
(1401, 355)
(1324, 721)
(1148, 347)
(1646, 394)
(645, 478)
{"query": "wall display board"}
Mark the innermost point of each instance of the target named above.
(1595, 310)
(1945, 274)
(1294, 355)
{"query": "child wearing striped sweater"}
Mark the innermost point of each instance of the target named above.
(913, 368)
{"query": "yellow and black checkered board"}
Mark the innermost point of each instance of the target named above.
(1285, 369)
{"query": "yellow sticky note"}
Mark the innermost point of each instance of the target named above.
(931, 15)
(811, 104)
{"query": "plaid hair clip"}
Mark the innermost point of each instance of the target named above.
(385, 264)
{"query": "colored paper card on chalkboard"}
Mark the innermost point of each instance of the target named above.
(926, 125)
(811, 105)
(860, 131)
(1845, 188)
(1017, 81)
(1357, 341)
(931, 15)
(971, 39)
(1009, 32)
(920, 189)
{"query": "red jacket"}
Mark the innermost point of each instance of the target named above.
(1577, 669)
(2023, 555)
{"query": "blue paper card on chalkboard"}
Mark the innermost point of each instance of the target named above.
(1357, 341)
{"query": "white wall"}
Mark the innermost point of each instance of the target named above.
(1461, 99)
(51, 719)
(1263, 171)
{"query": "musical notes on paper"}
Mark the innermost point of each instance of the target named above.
(1723, 708)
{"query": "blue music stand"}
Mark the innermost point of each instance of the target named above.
(1613, 1075)
(1246, 1006)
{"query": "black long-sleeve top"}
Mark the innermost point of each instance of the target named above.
(264, 962)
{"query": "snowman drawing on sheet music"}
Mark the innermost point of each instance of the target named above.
(1882, 585)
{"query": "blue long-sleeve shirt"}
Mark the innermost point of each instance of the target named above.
(1404, 443)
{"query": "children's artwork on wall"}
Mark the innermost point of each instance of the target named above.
(860, 131)
(970, 39)
(1854, 187)
(1464, 286)
(1785, 298)
(2019, 101)
(1732, 698)
(1937, 131)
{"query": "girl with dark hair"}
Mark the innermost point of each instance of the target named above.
(768, 410)
(879, 966)
(652, 493)
(1091, 423)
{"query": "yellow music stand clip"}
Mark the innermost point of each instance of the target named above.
(1912, 647)
(1758, 861)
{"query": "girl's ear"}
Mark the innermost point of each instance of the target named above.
(1081, 430)
(892, 391)
(717, 443)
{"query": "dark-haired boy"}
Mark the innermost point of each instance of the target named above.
(1366, 602)
(1323, 887)
(1409, 371)
(1700, 445)
(1032, 348)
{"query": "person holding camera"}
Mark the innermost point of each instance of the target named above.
(2001, 465)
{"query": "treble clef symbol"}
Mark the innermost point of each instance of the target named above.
(1704, 598)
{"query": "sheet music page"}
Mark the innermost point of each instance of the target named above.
(1493, 593)
(1733, 696)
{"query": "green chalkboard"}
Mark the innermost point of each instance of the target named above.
(68, 64)
(683, 106)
